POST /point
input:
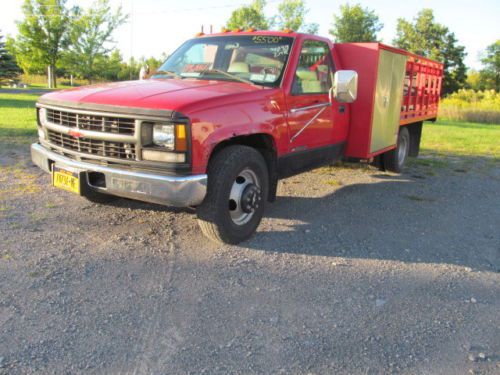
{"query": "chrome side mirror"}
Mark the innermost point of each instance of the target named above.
(345, 86)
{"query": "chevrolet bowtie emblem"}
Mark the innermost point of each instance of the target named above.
(75, 134)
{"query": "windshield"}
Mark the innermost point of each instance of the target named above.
(257, 59)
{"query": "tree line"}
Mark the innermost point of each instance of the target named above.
(352, 23)
(54, 39)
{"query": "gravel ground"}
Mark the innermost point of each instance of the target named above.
(353, 271)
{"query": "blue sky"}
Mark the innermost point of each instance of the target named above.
(159, 26)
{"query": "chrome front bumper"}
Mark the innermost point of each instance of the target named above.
(178, 191)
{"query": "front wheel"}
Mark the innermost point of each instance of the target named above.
(238, 184)
(394, 160)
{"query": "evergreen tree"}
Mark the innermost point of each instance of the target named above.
(8, 65)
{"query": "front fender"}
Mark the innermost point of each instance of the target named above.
(217, 124)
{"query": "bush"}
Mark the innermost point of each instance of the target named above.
(471, 106)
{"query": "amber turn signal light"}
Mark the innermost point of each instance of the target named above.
(180, 137)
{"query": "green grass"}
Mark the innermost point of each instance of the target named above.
(17, 119)
(43, 86)
(451, 138)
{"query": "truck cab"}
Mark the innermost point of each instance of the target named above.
(228, 115)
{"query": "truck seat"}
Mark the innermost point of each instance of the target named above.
(238, 67)
(309, 81)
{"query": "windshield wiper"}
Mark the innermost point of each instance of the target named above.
(232, 76)
(167, 72)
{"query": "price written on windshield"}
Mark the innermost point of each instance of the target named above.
(263, 39)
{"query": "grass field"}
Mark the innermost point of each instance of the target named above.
(17, 119)
(442, 139)
(461, 139)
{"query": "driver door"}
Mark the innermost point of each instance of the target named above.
(310, 115)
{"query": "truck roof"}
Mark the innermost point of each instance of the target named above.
(290, 33)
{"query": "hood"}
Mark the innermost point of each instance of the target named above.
(160, 94)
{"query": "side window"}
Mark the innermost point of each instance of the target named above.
(315, 69)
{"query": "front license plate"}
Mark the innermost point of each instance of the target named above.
(66, 180)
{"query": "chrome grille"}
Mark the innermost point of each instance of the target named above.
(117, 150)
(92, 122)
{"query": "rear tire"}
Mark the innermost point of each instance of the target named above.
(394, 160)
(238, 186)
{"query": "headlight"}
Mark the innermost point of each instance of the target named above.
(164, 135)
(42, 116)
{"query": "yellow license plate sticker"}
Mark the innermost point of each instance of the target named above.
(66, 180)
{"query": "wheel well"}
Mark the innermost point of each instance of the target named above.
(264, 143)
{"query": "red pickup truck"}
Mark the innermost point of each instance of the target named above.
(229, 114)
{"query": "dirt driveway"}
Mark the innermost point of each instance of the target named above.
(353, 271)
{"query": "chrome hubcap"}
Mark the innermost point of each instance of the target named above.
(245, 197)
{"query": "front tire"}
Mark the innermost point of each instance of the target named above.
(394, 160)
(238, 185)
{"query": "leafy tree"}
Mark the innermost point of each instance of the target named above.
(22, 54)
(355, 24)
(292, 15)
(153, 63)
(428, 38)
(490, 74)
(129, 70)
(43, 34)
(474, 80)
(311, 28)
(8, 66)
(91, 36)
(249, 16)
(109, 66)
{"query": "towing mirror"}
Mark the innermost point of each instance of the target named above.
(345, 86)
